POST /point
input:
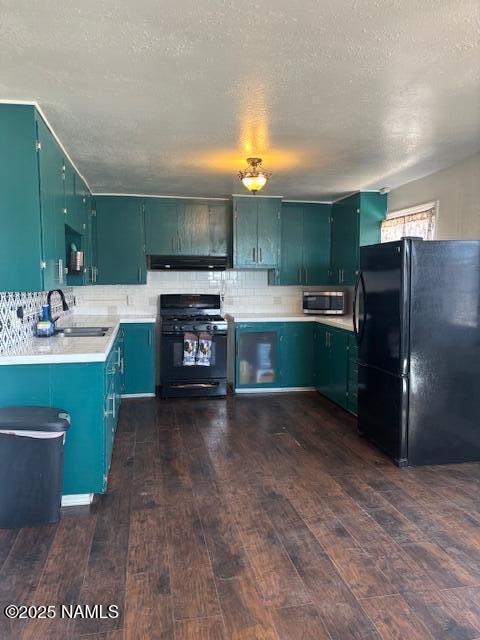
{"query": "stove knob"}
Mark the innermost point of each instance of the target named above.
(176, 327)
(182, 328)
(215, 327)
(209, 326)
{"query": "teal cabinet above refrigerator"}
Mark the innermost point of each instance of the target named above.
(356, 221)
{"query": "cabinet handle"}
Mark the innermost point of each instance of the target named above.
(306, 275)
(173, 248)
(179, 244)
(149, 338)
(139, 274)
(60, 271)
(260, 252)
(253, 254)
(299, 275)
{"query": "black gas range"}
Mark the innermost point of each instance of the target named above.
(183, 315)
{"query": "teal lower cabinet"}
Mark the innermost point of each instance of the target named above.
(257, 349)
(335, 365)
(288, 355)
(296, 354)
(139, 358)
(273, 355)
(89, 392)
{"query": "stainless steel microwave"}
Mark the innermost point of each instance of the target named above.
(324, 302)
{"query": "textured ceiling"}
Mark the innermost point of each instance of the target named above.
(170, 97)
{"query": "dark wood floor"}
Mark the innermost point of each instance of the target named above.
(256, 518)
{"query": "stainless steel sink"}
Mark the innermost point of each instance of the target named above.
(82, 332)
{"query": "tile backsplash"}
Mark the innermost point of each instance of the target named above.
(15, 332)
(242, 291)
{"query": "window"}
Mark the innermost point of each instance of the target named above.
(416, 221)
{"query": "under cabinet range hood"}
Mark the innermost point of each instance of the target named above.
(187, 263)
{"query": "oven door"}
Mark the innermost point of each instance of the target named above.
(171, 362)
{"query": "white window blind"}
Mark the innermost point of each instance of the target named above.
(410, 223)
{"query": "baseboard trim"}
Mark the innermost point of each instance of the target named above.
(138, 395)
(275, 390)
(76, 499)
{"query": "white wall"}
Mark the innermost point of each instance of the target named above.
(458, 191)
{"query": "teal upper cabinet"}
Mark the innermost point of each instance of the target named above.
(289, 271)
(20, 237)
(256, 234)
(72, 208)
(316, 243)
(120, 240)
(193, 229)
(356, 221)
(305, 245)
(184, 227)
(161, 227)
(219, 216)
(50, 165)
(42, 200)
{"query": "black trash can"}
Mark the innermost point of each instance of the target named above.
(31, 465)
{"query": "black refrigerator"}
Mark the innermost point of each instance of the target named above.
(417, 324)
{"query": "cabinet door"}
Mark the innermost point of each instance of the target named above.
(194, 229)
(120, 240)
(316, 244)
(245, 243)
(268, 230)
(139, 358)
(161, 227)
(258, 355)
(218, 229)
(90, 243)
(72, 207)
(297, 347)
(345, 240)
(51, 205)
(20, 237)
(338, 342)
(289, 270)
(322, 360)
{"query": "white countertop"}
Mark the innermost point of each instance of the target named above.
(58, 349)
(342, 322)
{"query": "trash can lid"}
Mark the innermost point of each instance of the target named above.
(34, 419)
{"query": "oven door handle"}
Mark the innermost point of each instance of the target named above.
(193, 385)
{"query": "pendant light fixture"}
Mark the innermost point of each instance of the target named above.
(254, 177)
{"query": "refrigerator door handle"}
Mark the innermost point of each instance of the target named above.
(361, 331)
(355, 297)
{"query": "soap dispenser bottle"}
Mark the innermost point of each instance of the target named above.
(45, 326)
